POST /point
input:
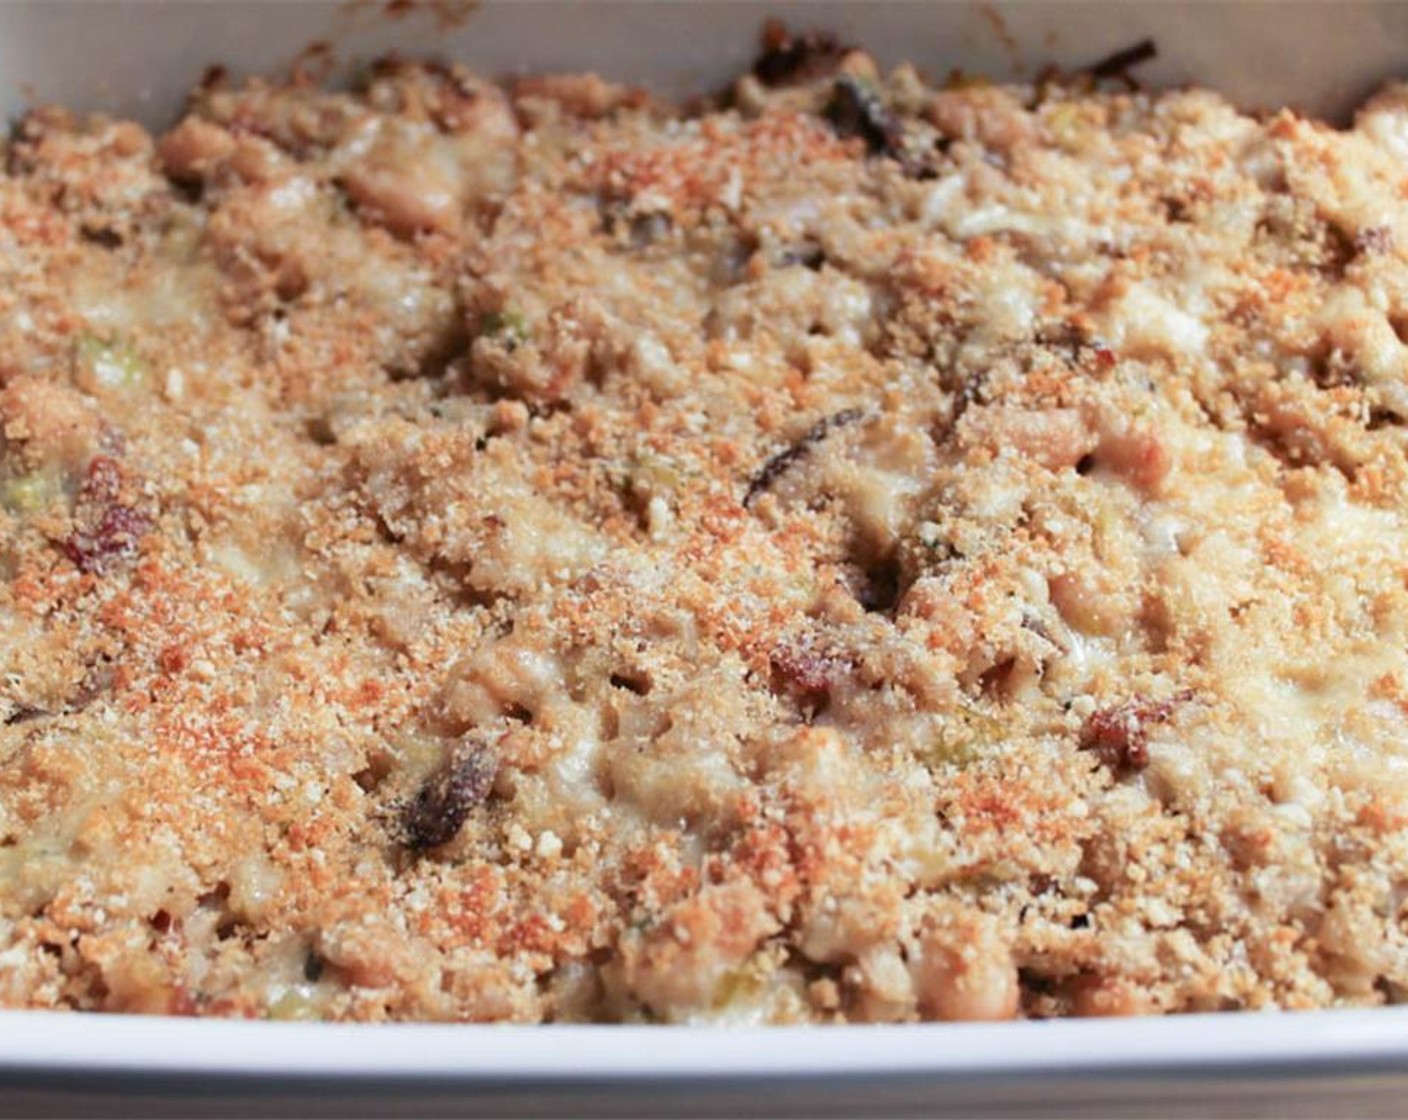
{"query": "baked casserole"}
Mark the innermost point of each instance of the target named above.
(852, 549)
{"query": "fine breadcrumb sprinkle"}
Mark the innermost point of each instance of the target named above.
(852, 550)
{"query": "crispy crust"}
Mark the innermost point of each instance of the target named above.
(535, 553)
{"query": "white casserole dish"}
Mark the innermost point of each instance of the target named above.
(139, 58)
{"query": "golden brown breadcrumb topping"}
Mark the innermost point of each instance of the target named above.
(851, 550)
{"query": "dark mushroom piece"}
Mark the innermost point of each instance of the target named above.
(438, 812)
(778, 465)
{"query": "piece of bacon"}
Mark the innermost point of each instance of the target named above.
(1119, 736)
(108, 529)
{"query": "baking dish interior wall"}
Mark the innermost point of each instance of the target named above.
(139, 58)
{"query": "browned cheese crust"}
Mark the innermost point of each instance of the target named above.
(847, 551)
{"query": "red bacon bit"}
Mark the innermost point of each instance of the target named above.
(808, 675)
(1119, 736)
(103, 482)
(108, 529)
(1373, 239)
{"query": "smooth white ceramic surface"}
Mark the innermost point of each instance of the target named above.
(149, 1044)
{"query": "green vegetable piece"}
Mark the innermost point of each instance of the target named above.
(293, 1006)
(509, 326)
(105, 367)
(30, 493)
(654, 474)
(739, 985)
(964, 739)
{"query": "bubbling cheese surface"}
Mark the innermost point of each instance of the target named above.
(848, 551)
